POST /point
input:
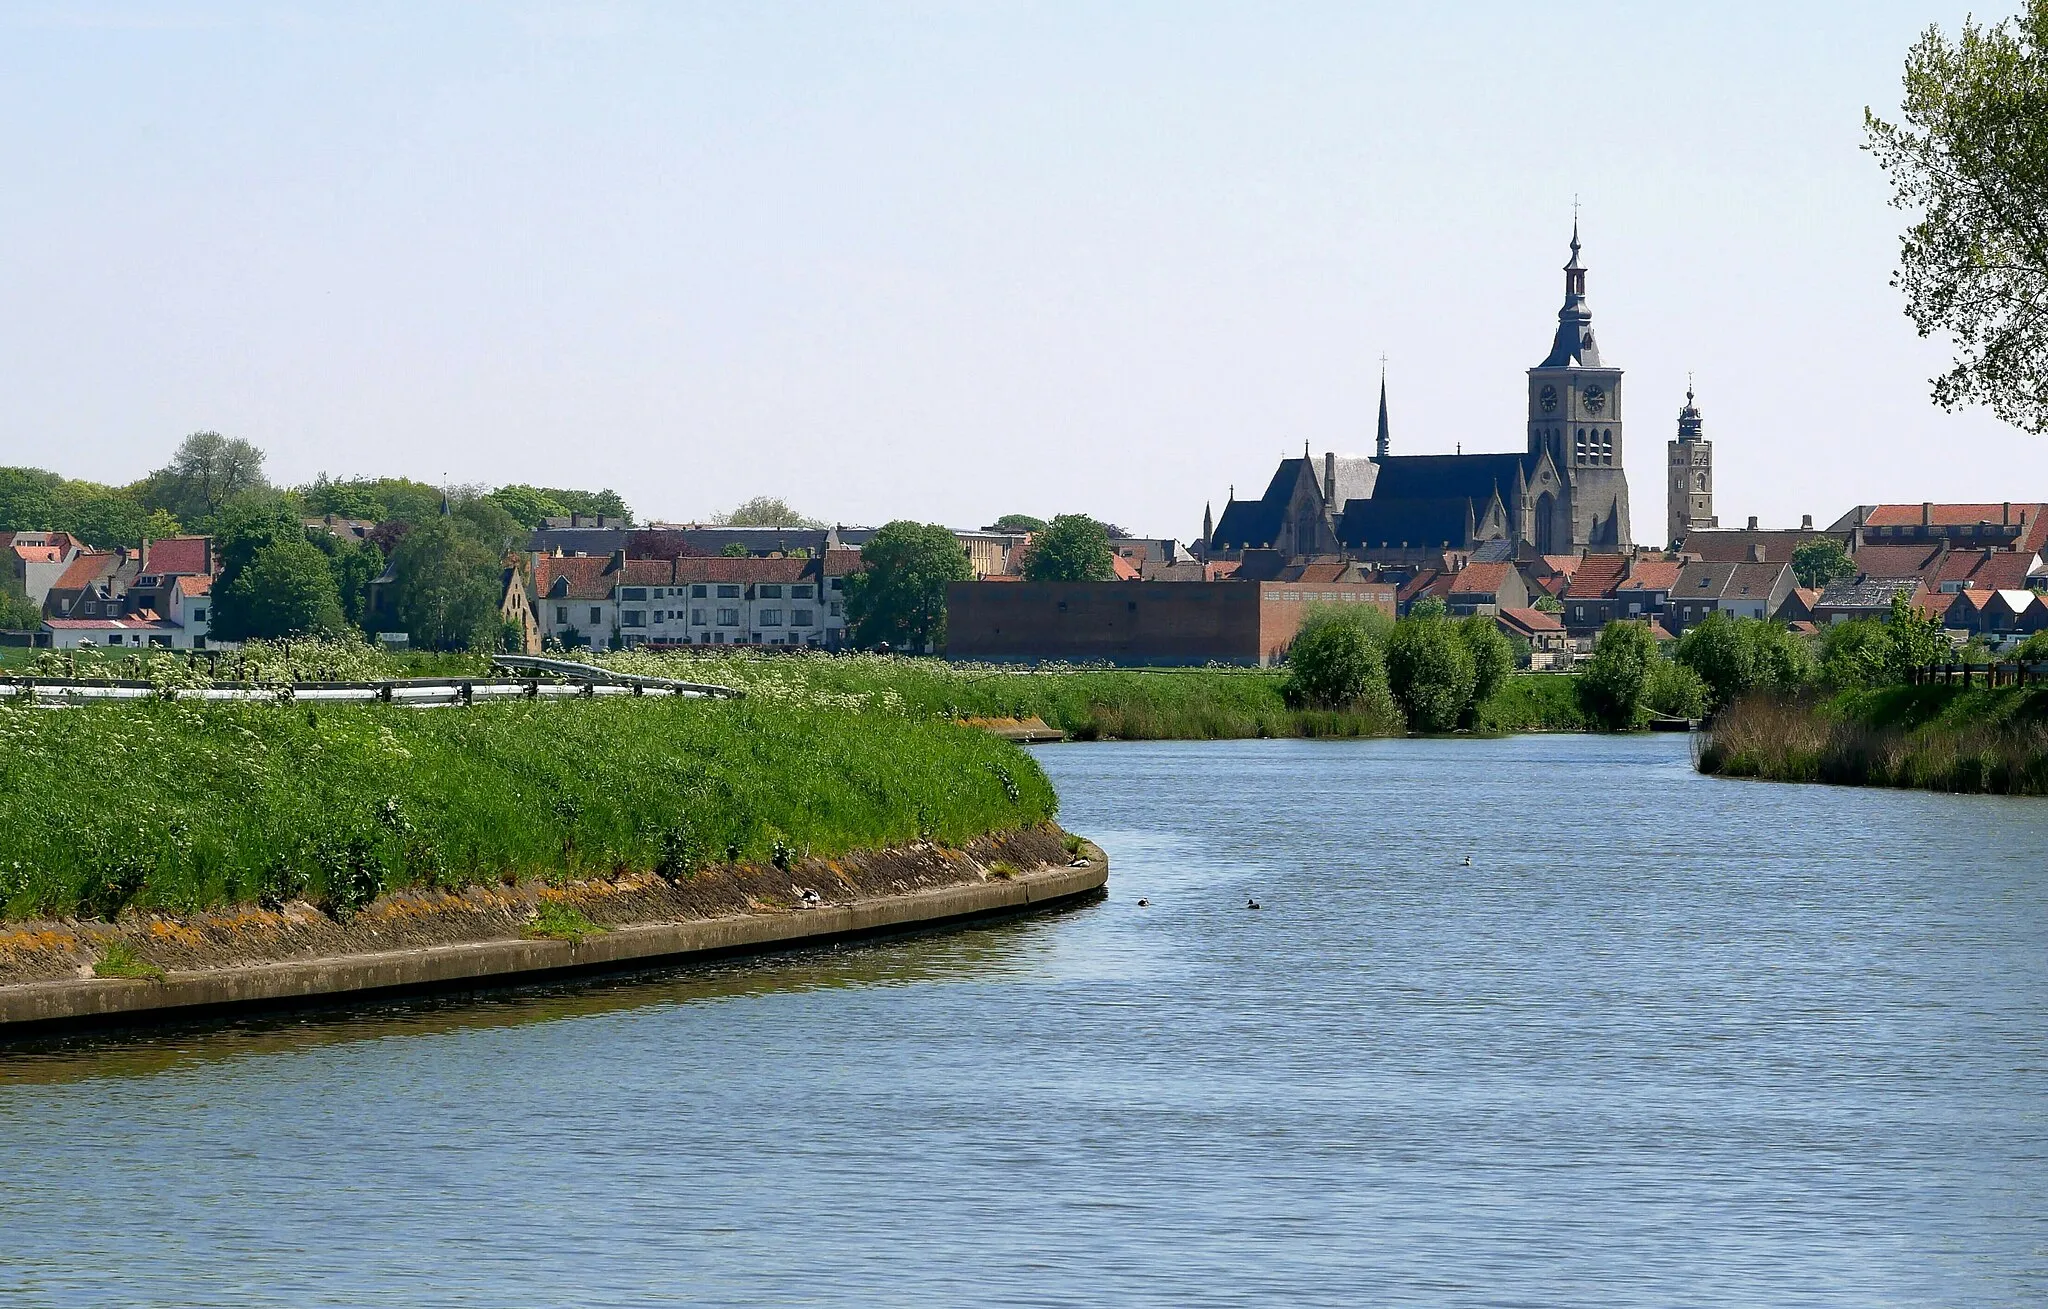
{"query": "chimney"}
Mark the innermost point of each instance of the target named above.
(1806, 522)
(1927, 513)
(1752, 522)
(2005, 514)
(1330, 476)
(1756, 553)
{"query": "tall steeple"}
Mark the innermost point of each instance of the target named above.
(1381, 446)
(1690, 465)
(1574, 346)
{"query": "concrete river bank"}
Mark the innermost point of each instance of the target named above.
(1666, 1040)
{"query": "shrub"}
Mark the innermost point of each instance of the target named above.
(1675, 691)
(1430, 673)
(556, 921)
(1612, 684)
(1334, 662)
(1493, 659)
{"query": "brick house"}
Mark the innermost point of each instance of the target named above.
(1139, 623)
(160, 595)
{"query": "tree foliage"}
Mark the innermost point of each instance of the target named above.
(766, 511)
(287, 590)
(242, 531)
(528, 505)
(1674, 691)
(446, 586)
(1072, 548)
(1734, 656)
(1430, 672)
(1493, 659)
(1822, 560)
(899, 598)
(207, 471)
(1335, 661)
(1612, 684)
(1018, 523)
(1969, 156)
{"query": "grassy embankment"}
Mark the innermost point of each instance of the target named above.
(1937, 738)
(185, 806)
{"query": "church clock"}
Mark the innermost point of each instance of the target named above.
(1547, 398)
(1595, 398)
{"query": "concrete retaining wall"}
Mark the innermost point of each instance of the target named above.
(36, 1005)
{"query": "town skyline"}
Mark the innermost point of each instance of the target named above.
(1004, 264)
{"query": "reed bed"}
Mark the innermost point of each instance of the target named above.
(1925, 738)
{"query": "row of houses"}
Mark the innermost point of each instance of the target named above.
(718, 600)
(160, 595)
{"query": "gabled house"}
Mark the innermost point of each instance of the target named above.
(1743, 590)
(1548, 645)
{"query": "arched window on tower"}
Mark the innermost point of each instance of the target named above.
(1703, 481)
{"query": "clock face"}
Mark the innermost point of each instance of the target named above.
(1596, 399)
(1547, 397)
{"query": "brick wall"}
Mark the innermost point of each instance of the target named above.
(1138, 622)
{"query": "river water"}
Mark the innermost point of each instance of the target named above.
(1668, 1040)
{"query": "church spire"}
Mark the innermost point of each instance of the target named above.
(1574, 346)
(1383, 438)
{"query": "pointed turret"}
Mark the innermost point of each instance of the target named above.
(1383, 441)
(1208, 525)
(1574, 345)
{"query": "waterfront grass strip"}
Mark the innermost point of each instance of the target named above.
(1936, 738)
(186, 806)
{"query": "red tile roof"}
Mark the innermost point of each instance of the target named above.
(586, 577)
(1651, 575)
(195, 585)
(839, 563)
(1481, 579)
(86, 569)
(722, 568)
(1953, 515)
(1530, 621)
(176, 555)
(1596, 576)
(38, 554)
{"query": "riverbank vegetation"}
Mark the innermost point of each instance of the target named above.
(1938, 738)
(182, 805)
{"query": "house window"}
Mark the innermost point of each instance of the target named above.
(697, 617)
(632, 593)
(800, 617)
(799, 592)
(199, 614)
(834, 609)
(596, 616)
(728, 593)
(728, 618)
(699, 591)
(562, 614)
(198, 643)
(770, 591)
(113, 638)
(771, 617)
(633, 618)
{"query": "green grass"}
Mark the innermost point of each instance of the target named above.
(559, 922)
(120, 960)
(1535, 702)
(183, 805)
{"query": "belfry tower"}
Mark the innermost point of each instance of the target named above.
(1691, 469)
(1575, 416)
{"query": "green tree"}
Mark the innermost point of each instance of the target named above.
(206, 472)
(446, 586)
(1970, 158)
(1913, 640)
(734, 550)
(1493, 659)
(899, 598)
(487, 522)
(529, 505)
(590, 503)
(1429, 606)
(1334, 661)
(766, 511)
(1547, 604)
(1716, 651)
(28, 499)
(1822, 560)
(17, 612)
(1072, 548)
(354, 497)
(1853, 655)
(1018, 523)
(287, 590)
(104, 516)
(1429, 671)
(1612, 684)
(242, 531)
(1674, 691)
(354, 564)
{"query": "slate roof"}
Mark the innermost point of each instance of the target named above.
(1448, 477)
(1255, 524)
(1381, 523)
(1718, 581)
(1866, 593)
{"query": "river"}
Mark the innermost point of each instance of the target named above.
(1668, 1040)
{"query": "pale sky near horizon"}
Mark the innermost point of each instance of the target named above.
(947, 261)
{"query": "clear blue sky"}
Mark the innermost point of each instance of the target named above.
(945, 261)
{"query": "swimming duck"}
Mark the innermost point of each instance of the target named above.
(1251, 904)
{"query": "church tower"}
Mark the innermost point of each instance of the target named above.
(1575, 416)
(1691, 470)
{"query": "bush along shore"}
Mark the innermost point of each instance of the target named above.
(194, 806)
(1939, 738)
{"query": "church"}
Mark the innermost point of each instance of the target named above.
(1564, 493)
